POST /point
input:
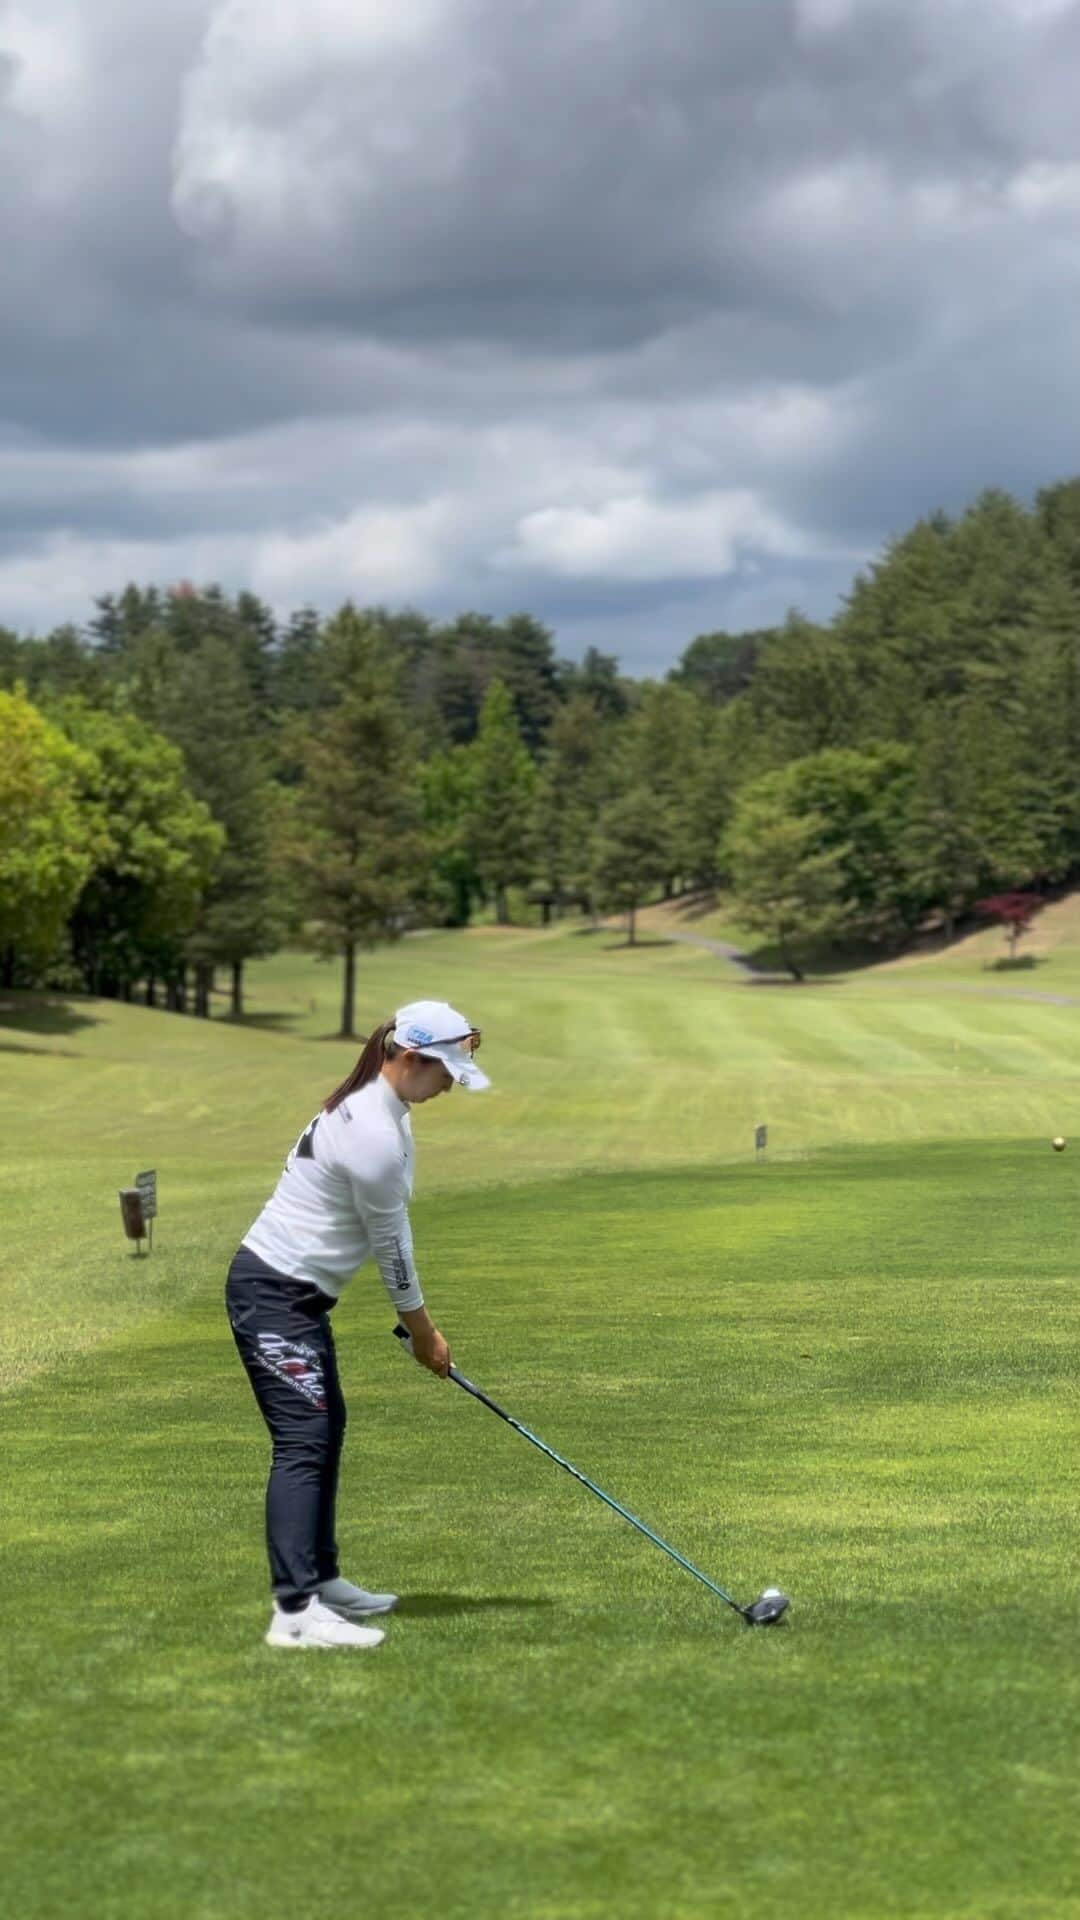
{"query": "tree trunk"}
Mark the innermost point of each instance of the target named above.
(631, 925)
(545, 909)
(348, 1000)
(150, 991)
(462, 901)
(7, 968)
(237, 989)
(127, 992)
(203, 978)
(795, 971)
(502, 907)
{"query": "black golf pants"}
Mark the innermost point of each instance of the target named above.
(282, 1331)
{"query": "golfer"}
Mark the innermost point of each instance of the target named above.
(341, 1200)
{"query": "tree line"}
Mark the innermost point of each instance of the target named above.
(187, 783)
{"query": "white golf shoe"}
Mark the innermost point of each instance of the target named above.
(318, 1626)
(355, 1603)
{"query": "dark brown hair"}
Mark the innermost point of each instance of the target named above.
(379, 1047)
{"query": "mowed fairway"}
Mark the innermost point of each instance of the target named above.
(850, 1370)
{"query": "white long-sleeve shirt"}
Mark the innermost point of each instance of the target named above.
(343, 1199)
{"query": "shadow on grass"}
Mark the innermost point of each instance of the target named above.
(785, 980)
(42, 1013)
(427, 1605)
(1023, 963)
(643, 940)
(265, 1022)
(46, 1053)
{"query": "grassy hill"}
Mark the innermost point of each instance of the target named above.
(849, 1368)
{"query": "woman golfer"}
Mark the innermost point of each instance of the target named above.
(341, 1200)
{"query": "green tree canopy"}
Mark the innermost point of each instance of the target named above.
(204, 704)
(787, 885)
(631, 849)
(577, 778)
(446, 781)
(48, 840)
(357, 850)
(158, 850)
(862, 801)
(503, 782)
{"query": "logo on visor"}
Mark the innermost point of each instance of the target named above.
(419, 1037)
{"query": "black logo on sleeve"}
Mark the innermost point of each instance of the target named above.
(402, 1277)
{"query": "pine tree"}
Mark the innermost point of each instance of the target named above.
(357, 851)
(446, 786)
(578, 777)
(503, 780)
(630, 854)
(210, 714)
(968, 828)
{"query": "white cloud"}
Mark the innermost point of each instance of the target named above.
(60, 578)
(47, 74)
(298, 110)
(824, 16)
(641, 539)
(375, 553)
(1045, 187)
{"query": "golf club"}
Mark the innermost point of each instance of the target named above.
(762, 1612)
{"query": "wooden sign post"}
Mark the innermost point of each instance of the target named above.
(761, 1140)
(138, 1206)
(132, 1215)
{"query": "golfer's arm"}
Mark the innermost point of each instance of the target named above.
(419, 1322)
(382, 1208)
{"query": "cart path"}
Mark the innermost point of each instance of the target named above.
(724, 951)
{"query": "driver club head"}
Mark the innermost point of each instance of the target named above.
(769, 1607)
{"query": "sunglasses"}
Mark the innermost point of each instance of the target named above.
(470, 1040)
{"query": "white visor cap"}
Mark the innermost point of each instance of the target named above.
(439, 1032)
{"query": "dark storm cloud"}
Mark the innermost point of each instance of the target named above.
(649, 317)
(583, 174)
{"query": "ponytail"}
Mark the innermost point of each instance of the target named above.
(380, 1046)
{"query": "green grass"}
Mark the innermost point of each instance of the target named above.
(850, 1370)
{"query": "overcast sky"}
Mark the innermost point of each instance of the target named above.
(650, 316)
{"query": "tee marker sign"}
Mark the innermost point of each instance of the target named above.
(138, 1207)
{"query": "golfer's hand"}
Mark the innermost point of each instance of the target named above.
(432, 1352)
(428, 1345)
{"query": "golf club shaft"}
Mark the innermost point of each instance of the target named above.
(460, 1380)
